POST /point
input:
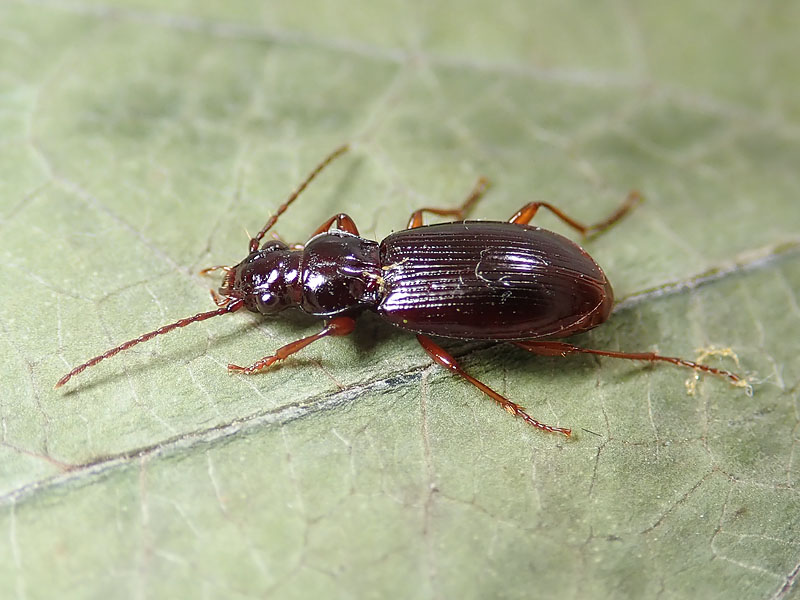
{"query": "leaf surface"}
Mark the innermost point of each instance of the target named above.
(138, 141)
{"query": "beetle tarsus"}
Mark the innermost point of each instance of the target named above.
(551, 348)
(525, 215)
(336, 327)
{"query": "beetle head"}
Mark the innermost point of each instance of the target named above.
(266, 280)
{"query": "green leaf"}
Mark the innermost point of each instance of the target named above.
(136, 144)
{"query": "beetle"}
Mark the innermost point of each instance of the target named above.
(477, 280)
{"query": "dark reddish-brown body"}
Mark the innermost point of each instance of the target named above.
(487, 280)
(492, 281)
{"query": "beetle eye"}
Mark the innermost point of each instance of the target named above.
(269, 300)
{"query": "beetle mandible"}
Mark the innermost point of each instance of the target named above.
(477, 280)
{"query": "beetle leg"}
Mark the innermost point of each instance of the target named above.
(548, 348)
(525, 214)
(441, 357)
(337, 326)
(208, 270)
(477, 191)
(343, 223)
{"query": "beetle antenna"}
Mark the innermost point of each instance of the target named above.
(256, 241)
(232, 306)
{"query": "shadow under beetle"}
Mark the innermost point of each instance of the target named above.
(477, 280)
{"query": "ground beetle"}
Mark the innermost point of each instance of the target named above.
(476, 280)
